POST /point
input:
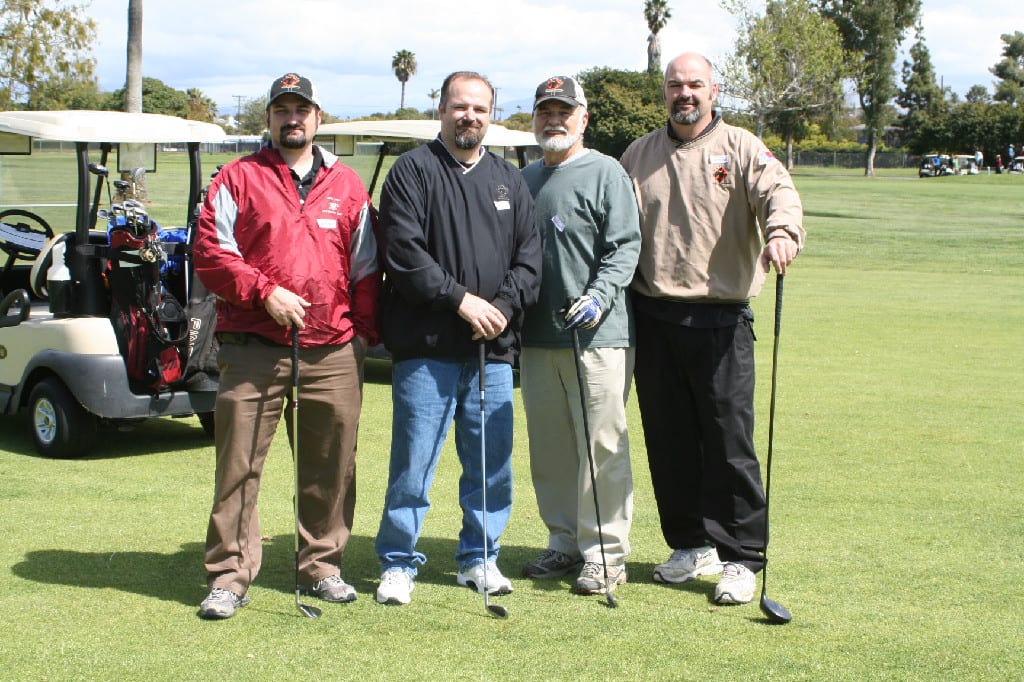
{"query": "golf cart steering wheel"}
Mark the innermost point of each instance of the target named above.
(20, 239)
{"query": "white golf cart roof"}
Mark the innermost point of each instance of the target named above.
(105, 126)
(426, 130)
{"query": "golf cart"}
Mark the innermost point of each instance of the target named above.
(96, 307)
(934, 165)
(1016, 165)
(964, 164)
(345, 135)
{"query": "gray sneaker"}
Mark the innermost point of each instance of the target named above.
(332, 589)
(686, 564)
(221, 604)
(591, 580)
(551, 564)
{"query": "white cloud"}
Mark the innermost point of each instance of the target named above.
(345, 46)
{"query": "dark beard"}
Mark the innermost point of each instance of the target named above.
(293, 142)
(467, 138)
(690, 118)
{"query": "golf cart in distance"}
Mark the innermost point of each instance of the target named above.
(63, 355)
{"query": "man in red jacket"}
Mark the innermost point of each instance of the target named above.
(286, 239)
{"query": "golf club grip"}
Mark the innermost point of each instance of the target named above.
(483, 365)
(778, 302)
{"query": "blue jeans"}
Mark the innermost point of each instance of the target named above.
(427, 394)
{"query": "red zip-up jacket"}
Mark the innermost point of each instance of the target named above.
(255, 234)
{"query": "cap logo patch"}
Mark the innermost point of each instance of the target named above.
(555, 84)
(289, 81)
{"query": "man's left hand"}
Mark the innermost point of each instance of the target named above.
(584, 313)
(779, 251)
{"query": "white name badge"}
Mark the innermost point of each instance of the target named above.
(502, 205)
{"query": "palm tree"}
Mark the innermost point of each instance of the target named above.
(404, 64)
(133, 75)
(200, 107)
(657, 14)
(433, 95)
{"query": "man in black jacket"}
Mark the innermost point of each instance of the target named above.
(462, 262)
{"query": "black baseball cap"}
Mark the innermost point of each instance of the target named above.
(562, 88)
(294, 84)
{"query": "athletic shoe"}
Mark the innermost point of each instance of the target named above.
(221, 604)
(591, 580)
(686, 564)
(395, 587)
(474, 577)
(736, 585)
(551, 564)
(332, 589)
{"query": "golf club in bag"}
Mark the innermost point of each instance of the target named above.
(590, 460)
(304, 609)
(773, 610)
(493, 609)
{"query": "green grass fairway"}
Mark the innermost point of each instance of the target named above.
(897, 539)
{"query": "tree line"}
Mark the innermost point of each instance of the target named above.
(784, 79)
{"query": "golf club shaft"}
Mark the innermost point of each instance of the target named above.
(590, 458)
(309, 611)
(492, 609)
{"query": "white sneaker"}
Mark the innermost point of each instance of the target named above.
(736, 585)
(686, 564)
(474, 577)
(395, 587)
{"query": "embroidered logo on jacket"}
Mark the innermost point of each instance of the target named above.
(721, 174)
(501, 201)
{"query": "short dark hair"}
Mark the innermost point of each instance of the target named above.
(460, 76)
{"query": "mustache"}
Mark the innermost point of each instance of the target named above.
(555, 129)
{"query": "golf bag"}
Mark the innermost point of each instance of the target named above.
(150, 324)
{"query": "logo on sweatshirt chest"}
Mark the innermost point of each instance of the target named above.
(501, 198)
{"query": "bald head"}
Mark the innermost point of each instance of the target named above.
(690, 91)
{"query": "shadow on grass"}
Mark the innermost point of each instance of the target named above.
(179, 576)
(158, 435)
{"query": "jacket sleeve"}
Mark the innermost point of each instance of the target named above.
(410, 267)
(218, 261)
(619, 239)
(365, 275)
(521, 285)
(774, 198)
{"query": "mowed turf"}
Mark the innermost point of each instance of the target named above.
(897, 538)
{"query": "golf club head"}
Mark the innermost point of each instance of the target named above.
(774, 611)
(496, 610)
(308, 611)
(610, 600)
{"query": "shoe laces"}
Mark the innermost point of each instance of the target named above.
(218, 593)
(732, 571)
(592, 569)
(394, 578)
(329, 581)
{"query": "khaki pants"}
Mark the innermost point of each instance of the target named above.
(558, 451)
(255, 380)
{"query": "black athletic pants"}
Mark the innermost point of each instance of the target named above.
(695, 389)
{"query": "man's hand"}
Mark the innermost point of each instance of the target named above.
(484, 319)
(286, 308)
(584, 313)
(779, 251)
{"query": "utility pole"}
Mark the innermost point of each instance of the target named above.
(238, 116)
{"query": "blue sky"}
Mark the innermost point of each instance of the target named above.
(231, 50)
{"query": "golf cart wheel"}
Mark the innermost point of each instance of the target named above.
(61, 428)
(206, 421)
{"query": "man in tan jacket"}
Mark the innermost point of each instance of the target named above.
(717, 211)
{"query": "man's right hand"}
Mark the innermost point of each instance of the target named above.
(287, 308)
(484, 319)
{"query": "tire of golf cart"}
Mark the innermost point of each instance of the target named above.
(61, 427)
(206, 421)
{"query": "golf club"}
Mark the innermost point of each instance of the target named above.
(304, 609)
(773, 610)
(493, 609)
(590, 459)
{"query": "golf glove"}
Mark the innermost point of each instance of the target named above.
(584, 313)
